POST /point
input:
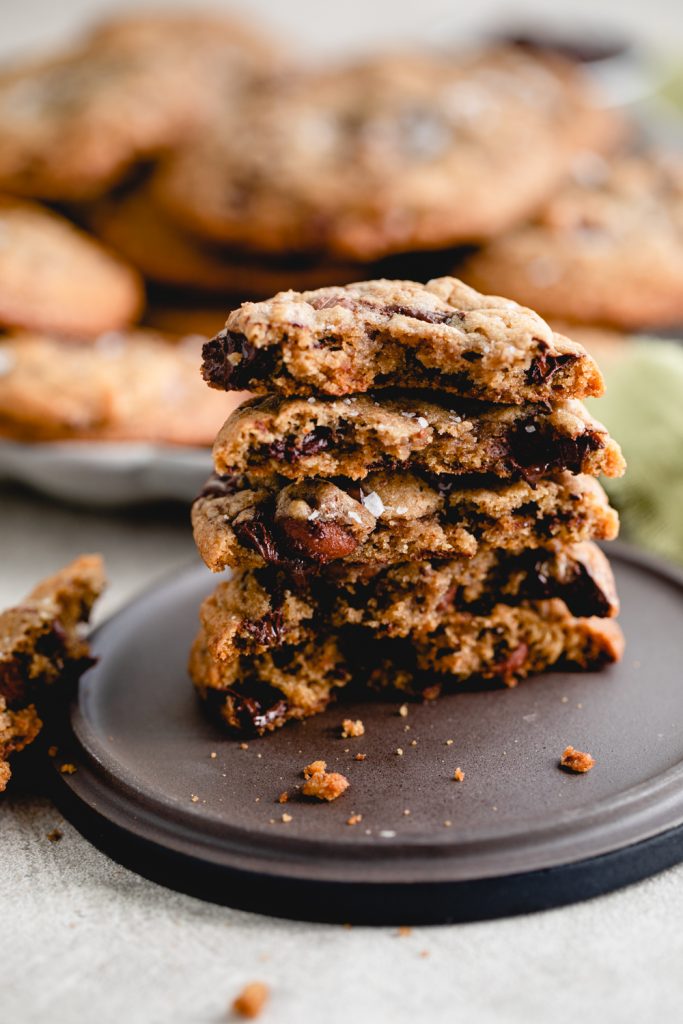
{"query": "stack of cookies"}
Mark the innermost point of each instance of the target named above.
(411, 503)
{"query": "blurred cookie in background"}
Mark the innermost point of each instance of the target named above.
(394, 153)
(128, 386)
(54, 277)
(606, 249)
(136, 227)
(72, 124)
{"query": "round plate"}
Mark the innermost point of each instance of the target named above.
(107, 473)
(163, 790)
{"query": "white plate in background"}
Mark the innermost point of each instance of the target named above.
(107, 474)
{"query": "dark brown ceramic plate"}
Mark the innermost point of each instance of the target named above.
(523, 834)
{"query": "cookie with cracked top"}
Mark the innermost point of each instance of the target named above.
(394, 517)
(379, 334)
(393, 153)
(72, 124)
(54, 277)
(607, 249)
(351, 437)
(132, 385)
(43, 651)
(261, 692)
(261, 609)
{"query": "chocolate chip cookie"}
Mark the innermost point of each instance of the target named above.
(393, 517)
(257, 610)
(607, 249)
(74, 123)
(143, 234)
(124, 386)
(354, 436)
(379, 334)
(394, 153)
(258, 693)
(54, 277)
(43, 651)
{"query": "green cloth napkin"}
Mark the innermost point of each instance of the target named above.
(643, 410)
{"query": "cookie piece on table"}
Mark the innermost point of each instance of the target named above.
(257, 610)
(394, 517)
(351, 437)
(56, 278)
(378, 334)
(607, 249)
(124, 386)
(136, 227)
(73, 124)
(259, 693)
(43, 651)
(394, 153)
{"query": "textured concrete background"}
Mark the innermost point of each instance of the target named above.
(82, 939)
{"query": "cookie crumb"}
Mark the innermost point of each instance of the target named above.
(283, 797)
(351, 728)
(399, 751)
(321, 784)
(424, 953)
(447, 823)
(403, 711)
(355, 819)
(576, 760)
(404, 931)
(413, 743)
(449, 743)
(286, 818)
(244, 746)
(55, 835)
(194, 798)
(360, 757)
(67, 768)
(52, 751)
(406, 812)
(564, 700)
(458, 775)
(213, 755)
(251, 1000)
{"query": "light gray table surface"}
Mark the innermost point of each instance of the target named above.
(83, 939)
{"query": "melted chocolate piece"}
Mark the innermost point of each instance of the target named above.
(290, 450)
(220, 372)
(581, 593)
(256, 534)
(220, 487)
(267, 631)
(254, 713)
(544, 366)
(533, 452)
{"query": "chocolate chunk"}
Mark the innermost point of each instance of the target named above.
(254, 713)
(290, 449)
(584, 596)
(268, 630)
(534, 452)
(317, 541)
(545, 366)
(428, 316)
(220, 487)
(257, 535)
(221, 372)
